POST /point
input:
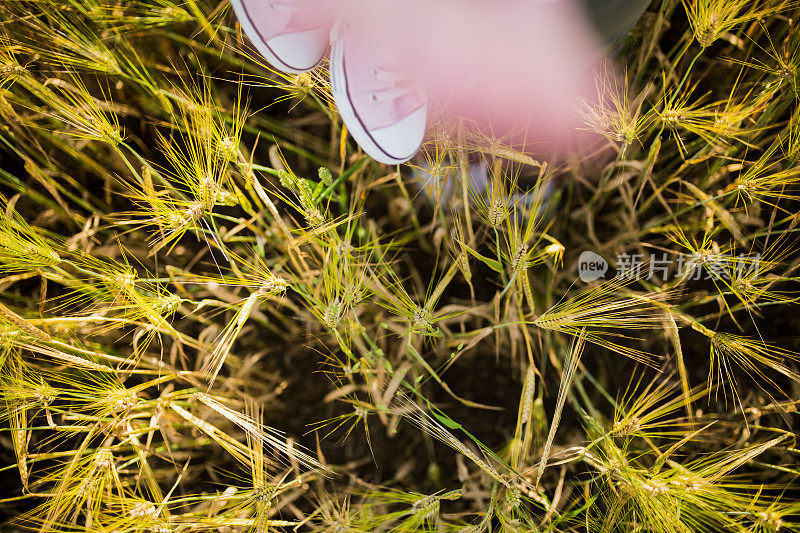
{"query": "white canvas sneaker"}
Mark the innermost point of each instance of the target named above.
(384, 111)
(292, 36)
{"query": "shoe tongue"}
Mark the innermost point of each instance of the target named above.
(385, 112)
(361, 62)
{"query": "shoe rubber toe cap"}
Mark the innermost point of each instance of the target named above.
(300, 51)
(401, 140)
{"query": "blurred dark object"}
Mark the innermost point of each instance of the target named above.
(614, 18)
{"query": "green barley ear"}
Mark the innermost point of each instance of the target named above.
(597, 311)
(305, 193)
(517, 259)
(20, 436)
(753, 356)
(225, 341)
(304, 190)
(513, 499)
(460, 251)
(792, 142)
(567, 374)
(713, 19)
(256, 430)
(287, 180)
(615, 114)
(22, 248)
(423, 321)
(493, 204)
(426, 510)
(10, 68)
(648, 409)
(18, 396)
(768, 181)
(325, 176)
(333, 314)
(438, 426)
(85, 115)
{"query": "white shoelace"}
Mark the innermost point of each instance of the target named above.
(399, 82)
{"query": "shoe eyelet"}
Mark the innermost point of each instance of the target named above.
(374, 98)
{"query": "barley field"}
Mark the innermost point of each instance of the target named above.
(217, 314)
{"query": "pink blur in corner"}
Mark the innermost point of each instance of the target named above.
(512, 70)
